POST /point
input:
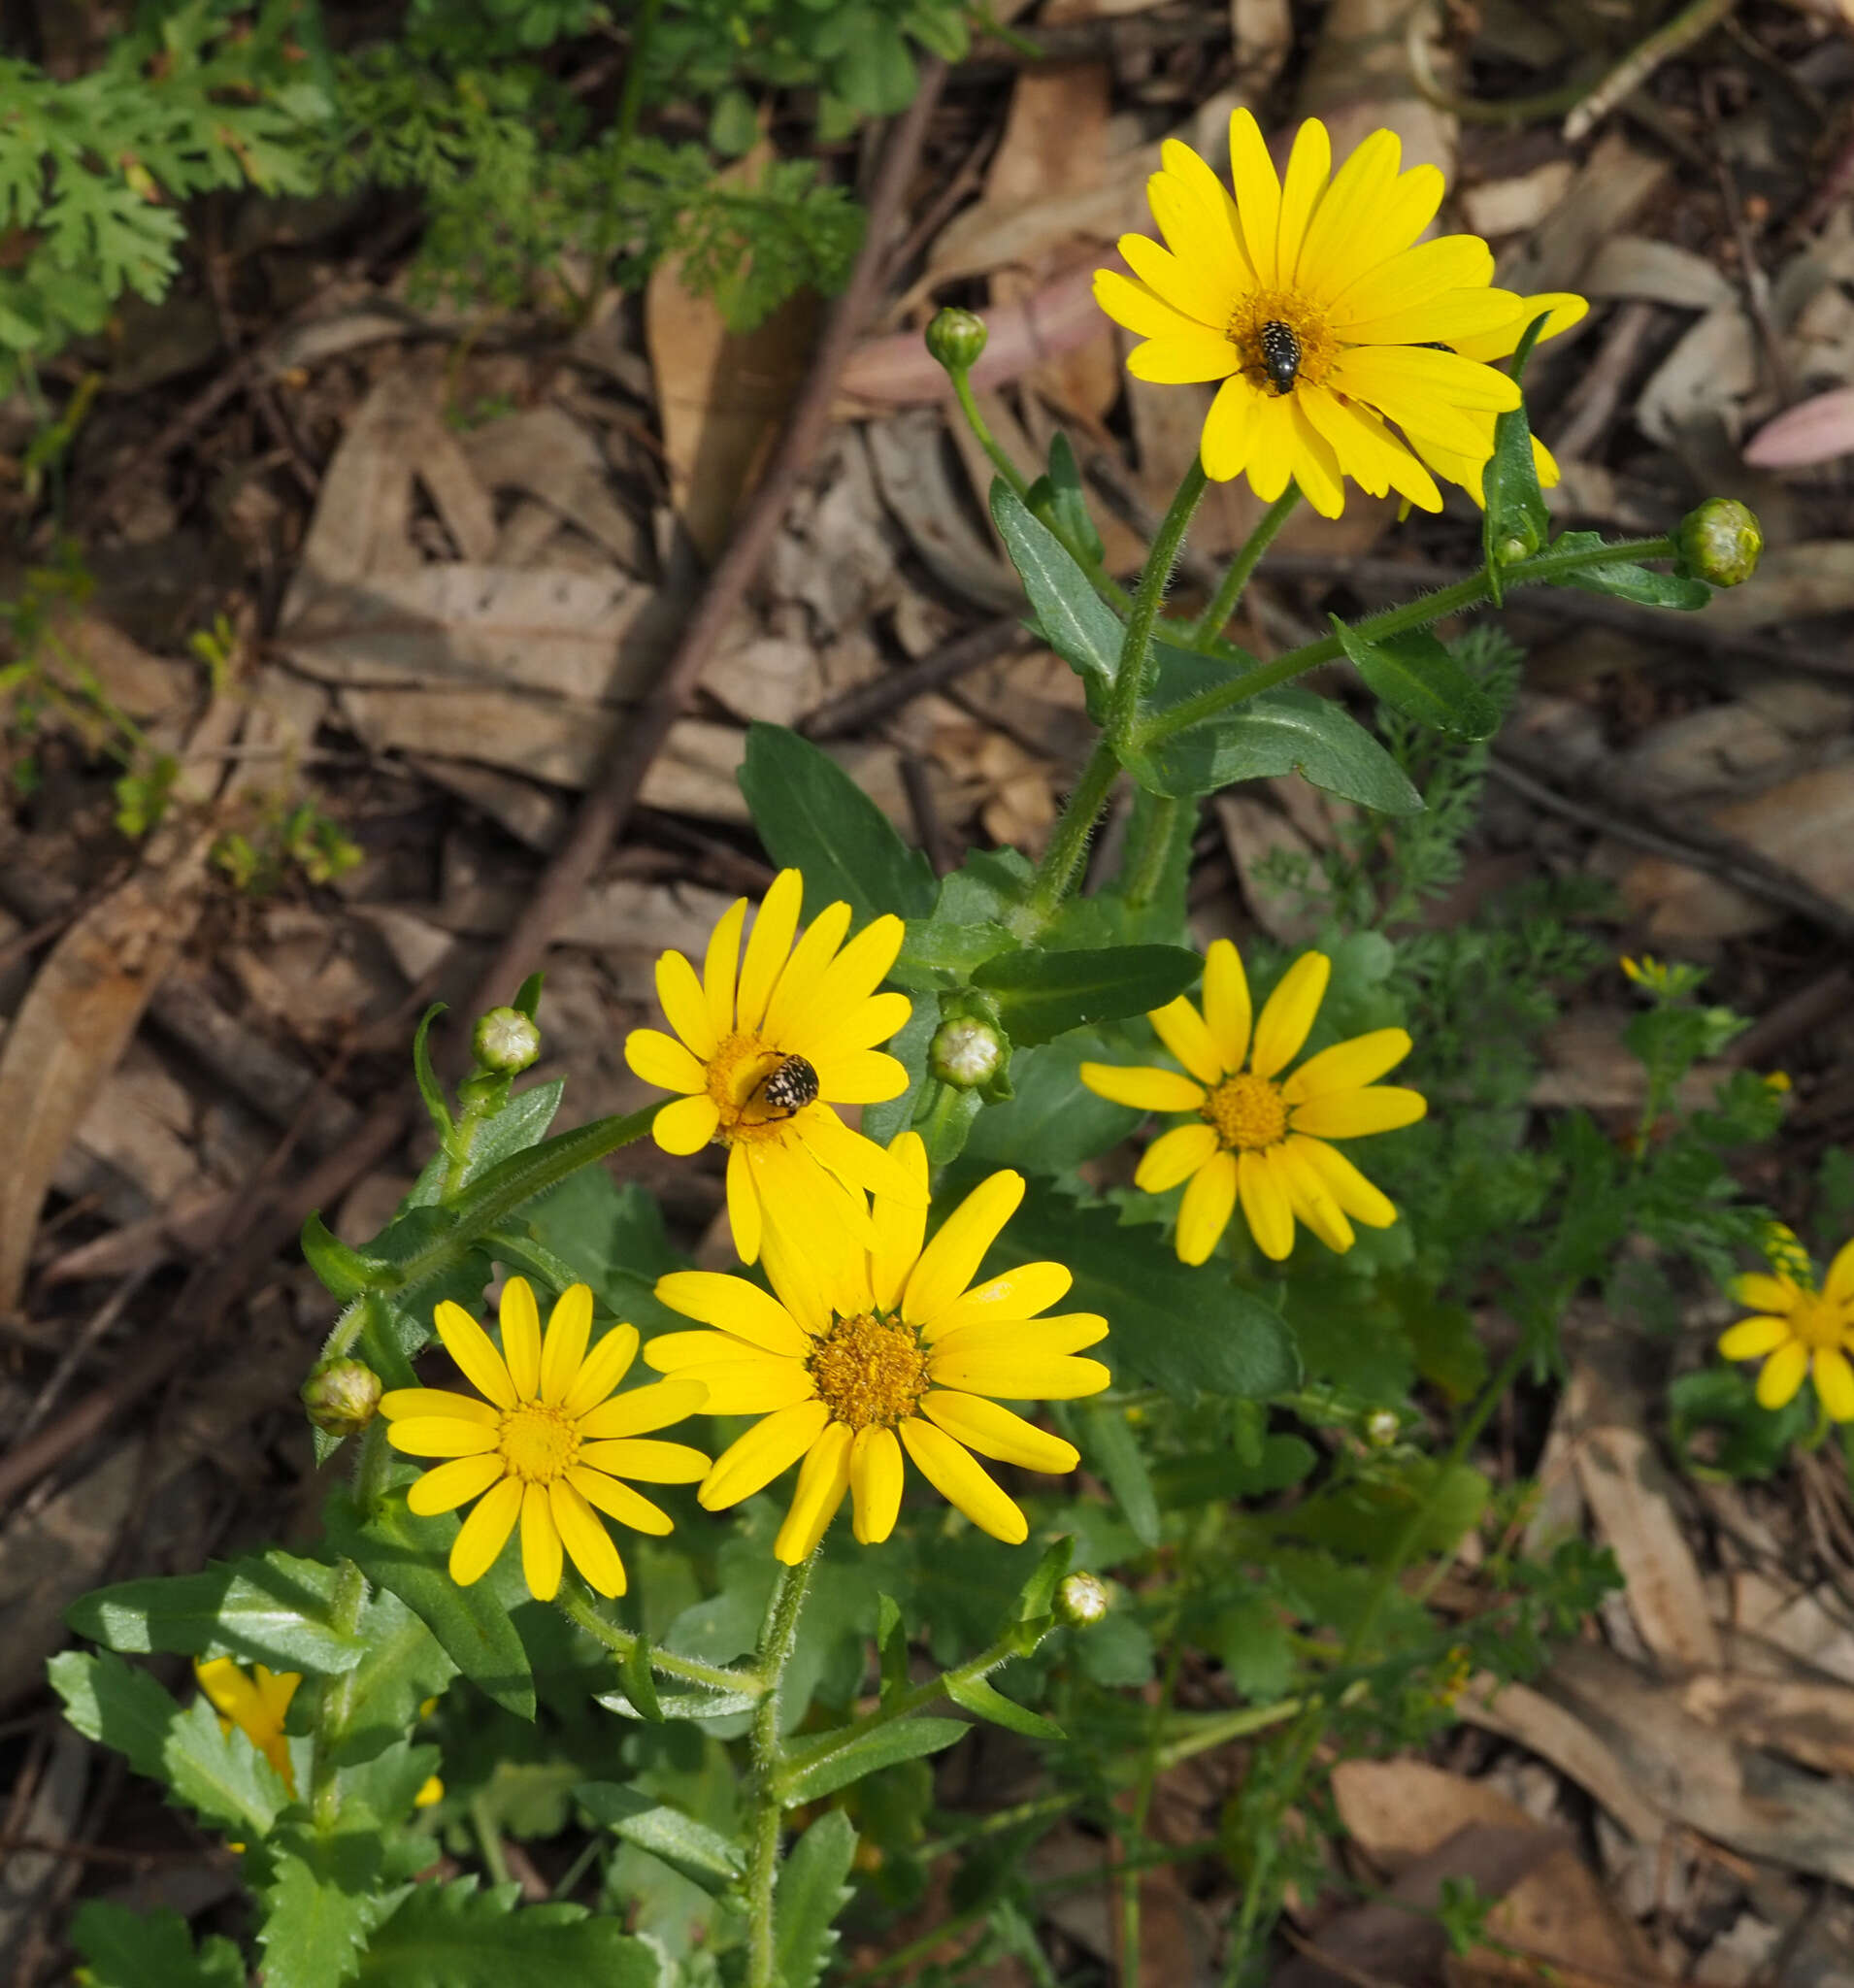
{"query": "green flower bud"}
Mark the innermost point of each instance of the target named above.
(1720, 542)
(341, 1397)
(1082, 1600)
(1383, 1428)
(956, 339)
(965, 1053)
(505, 1040)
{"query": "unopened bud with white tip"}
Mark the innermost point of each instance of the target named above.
(1082, 1600)
(965, 1053)
(505, 1040)
(342, 1396)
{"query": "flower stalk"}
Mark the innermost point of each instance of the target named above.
(778, 1637)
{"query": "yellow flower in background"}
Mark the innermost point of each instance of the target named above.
(256, 1702)
(548, 1442)
(764, 1044)
(866, 1355)
(1798, 1330)
(1313, 301)
(1255, 1136)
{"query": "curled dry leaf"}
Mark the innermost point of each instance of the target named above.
(1814, 430)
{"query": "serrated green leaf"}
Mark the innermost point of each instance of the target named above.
(219, 1775)
(126, 1949)
(1414, 674)
(406, 1554)
(320, 1898)
(811, 1891)
(404, 1665)
(1107, 1441)
(986, 1702)
(1071, 617)
(454, 1935)
(701, 1854)
(1625, 580)
(1041, 995)
(814, 817)
(832, 1762)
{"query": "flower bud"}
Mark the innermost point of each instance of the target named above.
(1082, 1600)
(1719, 541)
(965, 1053)
(1383, 1428)
(956, 339)
(341, 1397)
(505, 1040)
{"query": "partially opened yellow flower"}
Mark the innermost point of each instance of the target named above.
(256, 1702)
(765, 1045)
(1313, 301)
(546, 1444)
(865, 1355)
(1254, 1135)
(1797, 1330)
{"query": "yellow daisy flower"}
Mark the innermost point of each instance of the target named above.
(548, 1443)
(1253, 1133)
(768, 1043)
(255, 1703)
(1315, 304)
(1797, 1330)
(864, 1354)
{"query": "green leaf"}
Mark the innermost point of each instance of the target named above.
(938, 953)
(1414, 674)
(1515, 522)
(406, 1555)
(1221, 1475)
(986, 1702)
(1186, 1329)
(812, 1890)
(891, 1643)
(1071, 617)
(703, 1855)
(219, 1775)
(429, 1088)
(272, 1608)
(454, 1935)
(404, 1665)
(125, 1950)
(344, 1273)
(813, 816)
(1041, 995)
(1626, 582)
(640, 1684)
(1038, 1596)
(834, 1762)
(1107, 1441)
(1054, 1121)
(321, 1897)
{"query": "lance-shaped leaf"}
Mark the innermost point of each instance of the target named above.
(1626, 580)
(1071, 617)
(811, 1891)
(1041, 995)
(835, 1759)
(703, 1855)
(985, 1700)
(1414, 674)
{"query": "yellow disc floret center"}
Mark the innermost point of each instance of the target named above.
(1256, 327)
(869, 1371)
(538, 1443)
(1247, 1112)
(1819, 1322)
(738, 1075)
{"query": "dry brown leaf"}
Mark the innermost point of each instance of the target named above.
(1793, 583)
(1359, 82)
(1613, 185)
(547, 453)
(1812, 1625)
(1510, 206)
(916, 482)
(1253, 834)
(1262, 32)
(1658, 272)
(1518, 1713)
(1811, 1720)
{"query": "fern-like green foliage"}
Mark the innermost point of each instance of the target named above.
(92, 171)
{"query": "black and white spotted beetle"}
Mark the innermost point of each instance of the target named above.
(1280, 354)
(786, 1088)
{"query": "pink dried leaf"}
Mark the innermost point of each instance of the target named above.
(1815, 430)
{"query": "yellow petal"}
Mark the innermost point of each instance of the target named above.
(1273, 446)
(1563, 310)
(766, 947)
(1205, 1211)
(1766, 1293)
(617, 1500)
(1316, 465)
(950, 1261)
(564, 1350)
(847, 981)
(1422, 275)
(1783, 1375)
(755, 1459)
(686, 1126)
(602, 1369)
(540, 1544)
(823, 1479)
(1347, 1066)
(733, 1304)
(722, 967)
(441, 1435)
(860, 1077)
(685, 1005)
(1067, 1333)
(1203, 209)
(467, 1343)
(1356, 1114)
(1186, 284)
(802, 1283)
(520, 1320)
(747, 1382)
(803, 970)
(585, 1540)
(745, 1216)
(1341, 236)
(453, 1484)
(654, 1406)
(1020, 1376)
(1258, 195)
(953, 1472)
(1311, 1200)
(1370, 453)
(1460, 317)
(1266, 1206)
(861, 1027)
(1342, 1180)
(231, 1692)
(1835, 1383)
(1141, 310)
(874, 1482)
(1018, 1294)
(1190, 357)
(647, 1462)
(402, 1402)
(857, 1161)
(1180, 1028)
(1143, 1089)
(900, 1226)
(1309, 165)
(1229, 429)
(1409, 378)
(1752, 1337)
(1289, 1013)
(996, 1432)
(485, 1532)
(1174, 1156)
(1226, 1002)
(1839, 1284)
(661, 1059)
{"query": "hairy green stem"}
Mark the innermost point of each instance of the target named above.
(335, 1695)
(580, 1610)
(1136, 646)
(1068, 843)
(779, 1635)
(1542, 568)
(1149, 849)
(981, 428)
(1217, 616)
